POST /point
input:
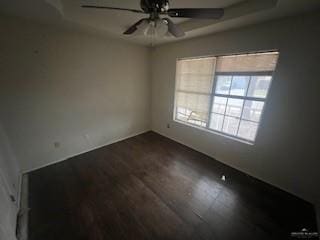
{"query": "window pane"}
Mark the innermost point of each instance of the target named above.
(230, 125)
(192, 108)
(216, 122)
(223, 84)
(247, 130)
(219, 105)
(259, 86)
(234, 107)
(252, 110)
(239, 85)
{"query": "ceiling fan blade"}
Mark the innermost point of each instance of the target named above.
(201, 13)
(174, 29)
(134, 27)
(112, 8)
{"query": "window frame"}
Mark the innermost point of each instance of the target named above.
(244, 98)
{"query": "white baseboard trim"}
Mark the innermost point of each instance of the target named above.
(88, 150)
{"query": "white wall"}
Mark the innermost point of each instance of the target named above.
(282, 152)
(68, 87)
(9, 184)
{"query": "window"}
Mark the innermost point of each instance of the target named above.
(224, 94)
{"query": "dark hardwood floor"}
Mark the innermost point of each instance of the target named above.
(150, 187)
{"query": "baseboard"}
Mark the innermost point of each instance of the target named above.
(88, 150)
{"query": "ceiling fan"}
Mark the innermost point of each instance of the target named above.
(157, 25)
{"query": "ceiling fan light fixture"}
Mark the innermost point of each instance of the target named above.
(150, 30)
(156, 28)
(160, 27)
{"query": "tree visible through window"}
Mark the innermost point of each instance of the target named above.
(225, 94)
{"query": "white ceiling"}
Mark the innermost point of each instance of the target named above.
(113, 23)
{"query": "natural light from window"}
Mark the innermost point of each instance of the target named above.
(224, 94)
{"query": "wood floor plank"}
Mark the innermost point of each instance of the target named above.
(150, 187)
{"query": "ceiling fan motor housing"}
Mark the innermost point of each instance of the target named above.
(151, 6)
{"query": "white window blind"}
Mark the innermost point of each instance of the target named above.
(193, 90)
(260, 62)
(225, 94)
